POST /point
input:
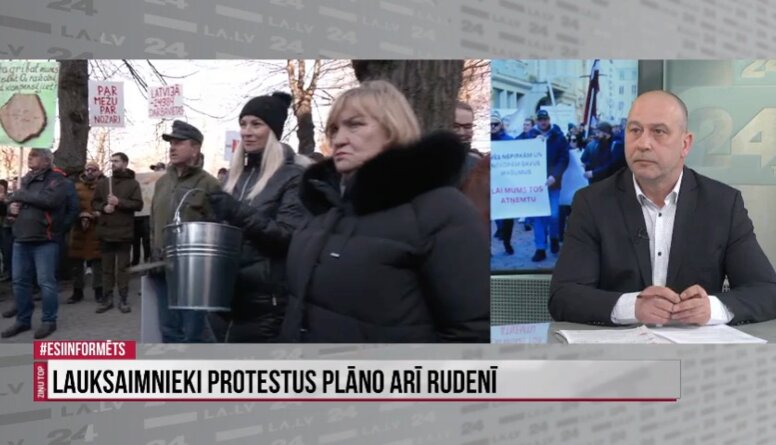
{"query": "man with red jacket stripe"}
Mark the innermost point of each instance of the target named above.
(38, 210)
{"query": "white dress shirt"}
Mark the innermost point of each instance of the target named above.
(660, 229)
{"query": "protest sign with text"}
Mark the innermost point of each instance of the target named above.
(165, 102)
(28, 98)
(517, 179)
(106, 104)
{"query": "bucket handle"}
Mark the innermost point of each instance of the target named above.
(177, 219)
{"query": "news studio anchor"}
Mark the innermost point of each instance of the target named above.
(654, 243)
(394, 252)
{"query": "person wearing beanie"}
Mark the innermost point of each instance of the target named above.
(261, 197)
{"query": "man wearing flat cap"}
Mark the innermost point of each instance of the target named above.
(184, 173)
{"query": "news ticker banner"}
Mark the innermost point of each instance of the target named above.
(728, 395)
(393, 29)
(110, 371)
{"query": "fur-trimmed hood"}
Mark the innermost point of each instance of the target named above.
(394, 177)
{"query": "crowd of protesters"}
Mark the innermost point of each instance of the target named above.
(384, 241)
(85, 223)
(574, 160)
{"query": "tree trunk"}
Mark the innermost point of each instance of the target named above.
(303, 101)
(305, 131)
(431, 86)
(73, 116)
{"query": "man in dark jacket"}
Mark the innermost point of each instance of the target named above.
(117, 199)
(71, 214)
(463, 126)
(497, 130)
(183, 174)
(529, 130)
(38, 211)
(557, 161)
(604, 156)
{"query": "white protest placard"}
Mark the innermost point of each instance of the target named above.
(231, 143)
(165, 102)
(106, 104)
(517, 179)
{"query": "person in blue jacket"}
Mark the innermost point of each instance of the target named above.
(557, 161)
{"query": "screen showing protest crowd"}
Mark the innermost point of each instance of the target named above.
(556, 126)
(703, 129)
(263, 206)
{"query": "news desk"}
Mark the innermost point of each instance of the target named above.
(544, 333)
(765, 330)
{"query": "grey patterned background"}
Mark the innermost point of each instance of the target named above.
(728, 393)
(637, 29)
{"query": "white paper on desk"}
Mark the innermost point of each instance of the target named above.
(717, 334)
(640, 334)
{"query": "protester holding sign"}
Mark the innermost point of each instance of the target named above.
(557, 161)
(261, 197)
(394, 252)
(503, 226)
(117, 198)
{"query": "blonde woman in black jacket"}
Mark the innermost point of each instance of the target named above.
(261, 197)
(394, 252)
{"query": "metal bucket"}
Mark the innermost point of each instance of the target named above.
(202, 261)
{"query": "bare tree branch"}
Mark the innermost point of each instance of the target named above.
(139, 80)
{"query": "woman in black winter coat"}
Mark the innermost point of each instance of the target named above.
(394, 252)
(261, 197)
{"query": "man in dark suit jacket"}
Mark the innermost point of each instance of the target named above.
(654, 243)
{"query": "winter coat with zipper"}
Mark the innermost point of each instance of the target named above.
(119, 226)
(267, 220)
(400, 256)
(169, 190)
(43, 199)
